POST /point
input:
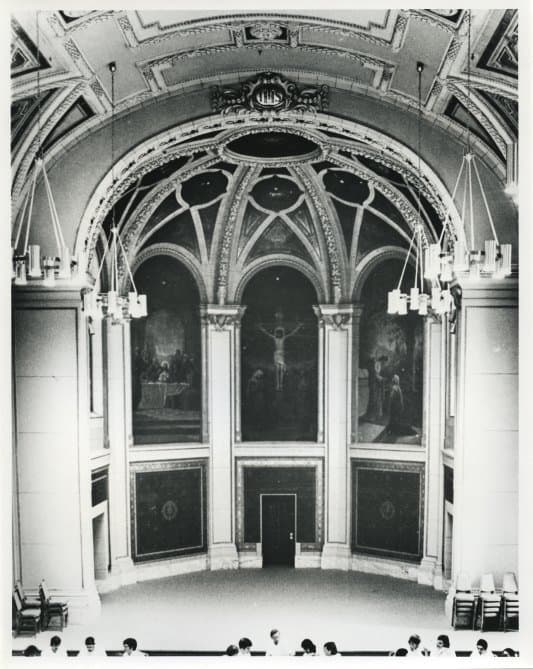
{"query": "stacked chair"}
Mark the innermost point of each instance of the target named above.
(27, 602)
(489, 604)
(510, 606)
(464, 603)
(54, 613)
(27, 619)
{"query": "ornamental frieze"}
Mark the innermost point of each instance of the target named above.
(269, 91)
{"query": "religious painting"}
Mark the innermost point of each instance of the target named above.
(279, 358)
(166, 356)
(390, 374)
(168, 510)
(387, 508)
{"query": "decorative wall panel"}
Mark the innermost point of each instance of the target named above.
(168, 509)
(388, 508)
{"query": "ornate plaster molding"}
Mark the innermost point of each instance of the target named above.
(222, 317)
(269, 91)
(334, 316)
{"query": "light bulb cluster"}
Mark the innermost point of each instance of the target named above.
(493, 262)
(46, 270)
(112, 305)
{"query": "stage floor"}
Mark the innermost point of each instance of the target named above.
(210, 610)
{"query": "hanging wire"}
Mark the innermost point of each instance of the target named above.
(419, 69)
(468, 76)
(38, 45)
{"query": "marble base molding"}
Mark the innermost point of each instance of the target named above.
(336, 556)
(370, 564)
(223, 556)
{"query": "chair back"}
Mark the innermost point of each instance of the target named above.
(509, 583)
(43, 589)
(19, 590)
(463, 582)
(487, 583)
(18, 601)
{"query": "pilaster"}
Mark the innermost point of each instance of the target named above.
(485, 531)
(119, 438)
(222, 323)
(336, 331)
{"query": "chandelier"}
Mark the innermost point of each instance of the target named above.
(28, 263)
(416, 300)
(456, 253)
(116, 305)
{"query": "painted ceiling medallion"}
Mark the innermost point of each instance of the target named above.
(266, 31)
(269, 91)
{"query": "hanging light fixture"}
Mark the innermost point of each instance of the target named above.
(454, 254)
(416, 300)
(28, 263)
(114, 305)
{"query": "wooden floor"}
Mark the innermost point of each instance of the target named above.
(210, 610)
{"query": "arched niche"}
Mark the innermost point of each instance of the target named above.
(279, 357)
(166, 355)
(390, 370)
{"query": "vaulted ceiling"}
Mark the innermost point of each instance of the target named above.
(59, 62)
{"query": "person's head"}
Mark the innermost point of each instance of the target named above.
(482, 646)
(414, 641)
(129, 645)
(232, 650)
(31, 651)
(402, 652)
(245, 646)
(90, 644)
(55, 642)
(508, 652)
(275, 636)
(308, 647)
(395, 380)
(443, 641)
(330, 648)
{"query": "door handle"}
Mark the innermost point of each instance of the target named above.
(291, 535)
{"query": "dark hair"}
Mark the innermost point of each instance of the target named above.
(308, 646)
(89, 641)
(232, 649)
(482, 643)
(272, 632)
(31, 651)
(245, 643)
(331, 646)
(415, 639)
(130, 642)
(509, 652)
(445, 640)
(55, 641)
(401, 652)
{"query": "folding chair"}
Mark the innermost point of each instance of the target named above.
(510, 603)
(489, 604)
(27, 602)
(52, 610)
(26, 620)
(464, 603)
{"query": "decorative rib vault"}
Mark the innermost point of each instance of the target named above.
(325, 206)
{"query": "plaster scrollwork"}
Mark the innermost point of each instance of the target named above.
(400, 31)
(148, 206)
(231, 223)
(336, 321)
(24, 167)
(327, 228)
(435, 21)
(480, 115)
(269, 91)
(222, 321)
(92, 17)
(335, 317)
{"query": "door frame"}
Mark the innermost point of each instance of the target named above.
(277, 494)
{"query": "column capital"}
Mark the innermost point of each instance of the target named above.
(336, 316)
(222, 316)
